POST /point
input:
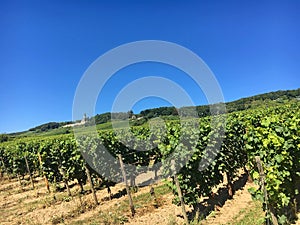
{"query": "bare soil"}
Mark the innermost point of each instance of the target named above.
(22, 205)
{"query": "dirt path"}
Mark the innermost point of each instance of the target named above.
(171, 214)
(107, 205)
(164, 215)
(21, 205)
(232, 207)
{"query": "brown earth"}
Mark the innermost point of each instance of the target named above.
(22, 205)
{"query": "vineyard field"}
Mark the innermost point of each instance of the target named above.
(195, 156)
(22, 205)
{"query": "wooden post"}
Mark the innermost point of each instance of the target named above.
(1, 171)
(63, 173)
(152, 193)
(88, 174)
(19, 179)
(263, 187)
(28, 170)
(249, 179)
(67, 186)
(41, 168)
(229, 186)
(5, 169)
(127, 188)
(181, 200)
(1, 165)
(109, 192)
(66, 182)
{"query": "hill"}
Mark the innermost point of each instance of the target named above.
(266, 99)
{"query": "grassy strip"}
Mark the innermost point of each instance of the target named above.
(252, 215)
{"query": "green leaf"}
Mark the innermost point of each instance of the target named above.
(255, 175)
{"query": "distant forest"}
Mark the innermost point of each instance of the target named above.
(238, 105)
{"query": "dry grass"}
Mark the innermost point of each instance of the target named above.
(22, 205)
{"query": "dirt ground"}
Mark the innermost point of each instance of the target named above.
(22, 205)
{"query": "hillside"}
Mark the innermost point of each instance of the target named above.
(104, 120)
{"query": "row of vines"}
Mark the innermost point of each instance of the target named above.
(270, 133)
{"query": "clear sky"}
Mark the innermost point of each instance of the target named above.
(45, 47)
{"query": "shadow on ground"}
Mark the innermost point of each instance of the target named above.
(217, 200)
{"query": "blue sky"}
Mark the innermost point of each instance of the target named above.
(252, 47)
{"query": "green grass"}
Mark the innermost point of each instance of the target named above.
(250, 216)
(104, 126)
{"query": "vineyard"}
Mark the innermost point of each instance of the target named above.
(264, 143)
